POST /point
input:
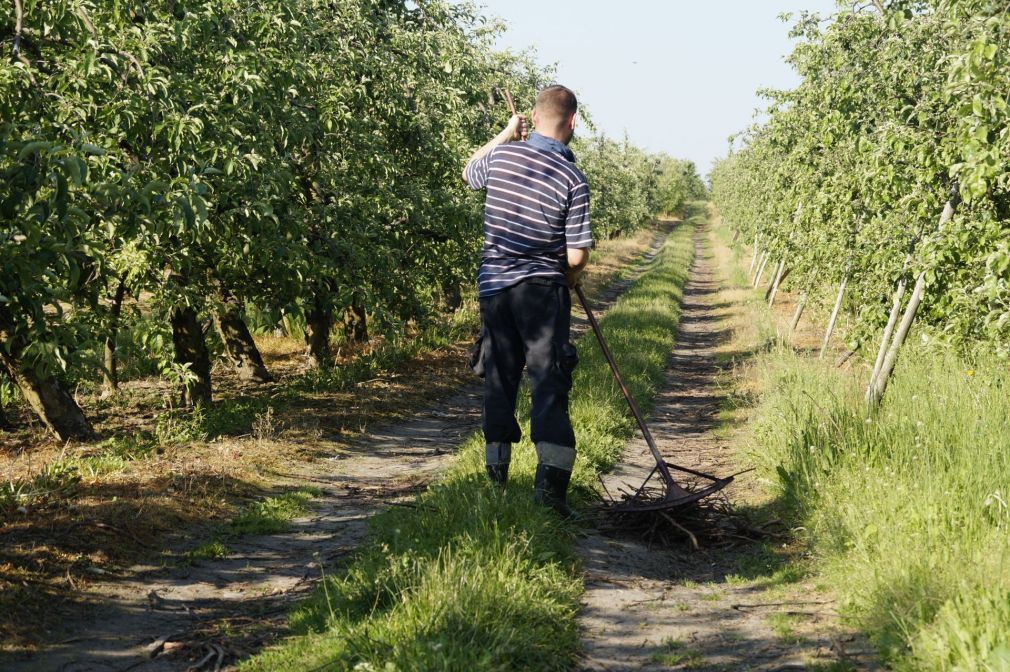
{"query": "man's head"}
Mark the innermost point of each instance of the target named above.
(554, 113)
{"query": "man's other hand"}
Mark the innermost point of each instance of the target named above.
(517, 127)
(574, 276)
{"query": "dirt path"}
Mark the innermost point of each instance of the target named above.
(168, 618)
(737, 609)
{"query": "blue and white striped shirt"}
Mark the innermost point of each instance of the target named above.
(537, 206)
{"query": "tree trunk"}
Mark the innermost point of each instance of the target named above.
(318, 323)
(54, 406)
(885, 338)
(239, 344)
(761, 270)
(834, 316)
(356, 323)
(191, 349)
(110, 372)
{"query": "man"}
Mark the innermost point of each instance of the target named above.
(536, 245)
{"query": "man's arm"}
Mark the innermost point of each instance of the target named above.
(516, 130)
(578, 257)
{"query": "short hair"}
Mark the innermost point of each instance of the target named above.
(557, 103)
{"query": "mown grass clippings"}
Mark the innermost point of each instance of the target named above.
(474, 578)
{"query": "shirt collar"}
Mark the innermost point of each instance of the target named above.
(551, 145)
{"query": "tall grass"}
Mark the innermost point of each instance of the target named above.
(476, 579)
(906, 507)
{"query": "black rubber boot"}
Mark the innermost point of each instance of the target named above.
(550, 486)
(498, 473)
(498, 456)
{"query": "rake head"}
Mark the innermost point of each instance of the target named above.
(665, 493)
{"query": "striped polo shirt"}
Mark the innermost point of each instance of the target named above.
(537, 205)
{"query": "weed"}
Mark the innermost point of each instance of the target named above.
(212, 550)
(273, 514)
(57, 480)
(265, 426)
(675, 652)
(179, 427)
(784, 626)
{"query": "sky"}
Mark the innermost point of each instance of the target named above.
(680, 76)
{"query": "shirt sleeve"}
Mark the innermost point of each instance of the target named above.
(476, 172)
(578, 232)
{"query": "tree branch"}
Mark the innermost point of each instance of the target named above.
(19, 16)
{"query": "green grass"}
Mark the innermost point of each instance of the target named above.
(212, 550)
(906, 508)
(273, 514)
(784, 627)
(675, 652)
(477, 579)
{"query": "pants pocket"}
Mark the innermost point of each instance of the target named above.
(567, 358)
(476, 353)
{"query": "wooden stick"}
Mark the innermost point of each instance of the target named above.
(834, 316)
(19, 16)
(802, 303)
(885, 338)
(508, 99)
(779, 277)
(887, 368)
(761, 270)
(753, 261)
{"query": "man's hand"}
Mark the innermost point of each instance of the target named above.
(517, 127)
(515, 130)
(573, 276)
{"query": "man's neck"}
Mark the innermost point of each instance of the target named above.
(552, 136)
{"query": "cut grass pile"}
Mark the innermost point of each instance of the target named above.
(477, 579)
(906, 507)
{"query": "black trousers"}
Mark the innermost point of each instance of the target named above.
(528, 325)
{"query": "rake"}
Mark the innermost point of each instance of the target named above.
(670, 494)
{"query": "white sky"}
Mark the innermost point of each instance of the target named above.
(680, 76)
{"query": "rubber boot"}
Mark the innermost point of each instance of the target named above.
(550, 486)
(498, 455)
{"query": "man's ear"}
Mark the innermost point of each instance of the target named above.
(535, 118)
(571, 120)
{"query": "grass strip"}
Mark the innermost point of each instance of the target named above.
(906, 507)
(476, 579)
